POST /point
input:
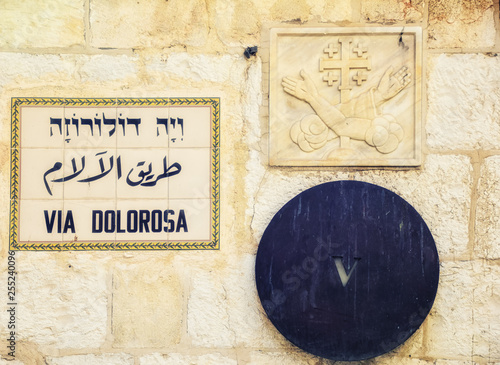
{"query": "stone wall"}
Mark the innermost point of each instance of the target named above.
(202, 307)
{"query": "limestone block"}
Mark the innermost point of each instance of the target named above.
(461, 24)
(486, 310)
(296, 10)
(100, 68)
(104, 359)
(51, 23)
(412, 347)
(283, 358)
(252, 90)
(487, 243)
(476, 361)
(441, 193)
(451, 321)
(464, 319)
(300, 357)
(174, 359)
(331, 11)
(253, 135)
(246, 315)
(237, 23)
(11, 362)
(158, 24)
(32, 70)
(5, 317)
(392, 11)
(463, 96)
(26, 353)
(147, 305)
(62, 299)
(224, 308)
(27, 70)
(391, 360)
(4, 193)
(228, 69)
(277, 187)
(208, 317)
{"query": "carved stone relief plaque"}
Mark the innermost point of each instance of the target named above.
(345, 96)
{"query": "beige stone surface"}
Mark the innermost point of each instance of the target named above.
(207, 310)
(291, 10)
(224, 69)
(120, 24)
(411, 348)
(268, 202)
(461, 24)
(53, 70)
(392, 11)
(451, 320)
(102, 68)
(26, 353)
(462, 96)
(237, 23)
(58, 23)
(224, 309)
(202, 307)
(29, 70)
(486, 311)
(332, 11)
(487, 228)
(298, 357)
(63, 299)
(440, 193)
(283, 358)
(475, 361)
(11, 362)
(147, 305)
(104, 359)
(4, 195)
(246, 315)
(175, 358)
(391, 360)
(463, 321)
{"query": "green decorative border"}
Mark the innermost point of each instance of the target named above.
(213, 244)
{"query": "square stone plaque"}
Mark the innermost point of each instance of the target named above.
(114, 174)
(345, 96)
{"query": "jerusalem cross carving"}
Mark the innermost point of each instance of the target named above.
(345, 97)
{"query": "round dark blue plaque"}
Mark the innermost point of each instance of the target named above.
(347, 270)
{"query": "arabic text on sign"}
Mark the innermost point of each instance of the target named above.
(141, 174)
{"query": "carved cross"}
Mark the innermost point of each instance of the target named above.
(360, 50)
(330, 78)
(331, 50)
(344, 64)
(359, 78)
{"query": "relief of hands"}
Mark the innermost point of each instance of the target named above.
(302, 89)
(392, 83)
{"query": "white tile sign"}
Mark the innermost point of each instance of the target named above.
(114, 174)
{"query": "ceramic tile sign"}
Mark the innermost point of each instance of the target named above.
(114, 174)
(345, 96)
(347, 270)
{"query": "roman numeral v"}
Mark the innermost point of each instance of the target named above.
(345, 276)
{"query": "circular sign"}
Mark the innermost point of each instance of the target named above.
(347, 270)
